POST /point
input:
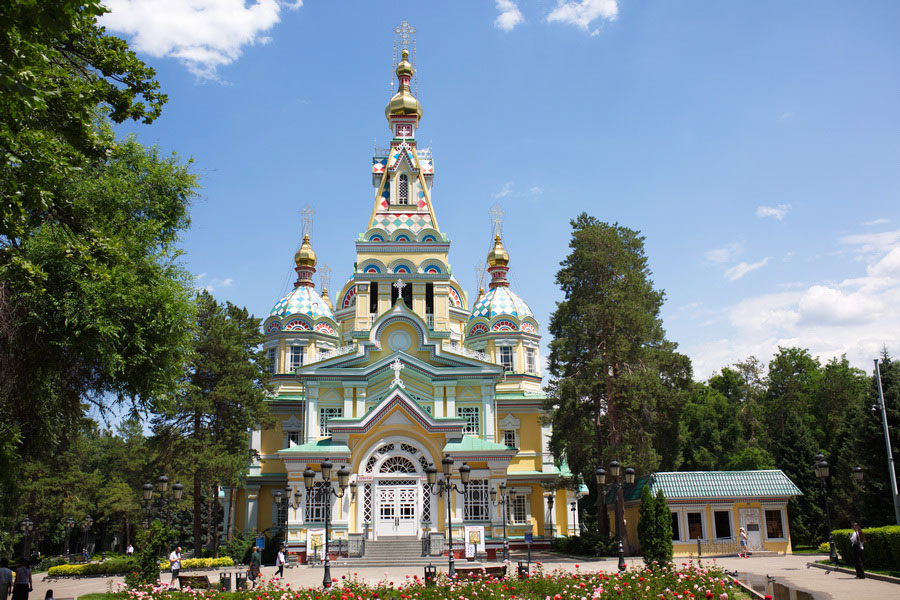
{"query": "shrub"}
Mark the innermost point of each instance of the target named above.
(655, 527)
(238, 547)
(116, 566)
(882, 547)
(200, 563)
(824, 548)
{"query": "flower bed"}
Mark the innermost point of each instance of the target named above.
(688, 582)
(120, 566)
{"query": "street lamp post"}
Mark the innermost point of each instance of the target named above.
(70, 524)
(574, 507)
(549, 497)
(822, 470)
(85, 527)
(615, 470)
(324, 494)
(27, 527)
(444, 486)
(162, 486)
(502, 500)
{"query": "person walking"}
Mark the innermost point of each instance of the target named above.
(23, 581)
(743, 553)
(857, 545)
(175, 564)
(129, 551)
(279, 562)
(6, 579)
(255, 565)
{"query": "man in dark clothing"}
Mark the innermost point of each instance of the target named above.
(255, 565)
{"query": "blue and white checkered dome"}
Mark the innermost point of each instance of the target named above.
(500, 301)
(303, 300)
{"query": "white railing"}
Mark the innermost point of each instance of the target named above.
(429, 321)
(470, 353)
(337, 352)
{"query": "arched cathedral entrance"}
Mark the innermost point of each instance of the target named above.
(395, 501)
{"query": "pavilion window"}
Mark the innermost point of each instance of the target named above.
(518, 509)
(774, 525)
(695, 526)
(472, 415)
(506, 358)
(315, 505)
(403, 189)
(722, 521)
(279, 514)
(273, 358)
(429, 298)
(531, 360)
(676, 527)
(509, 438)
(475, 506)
(373, 298)
(298, 354)
(295, 438)
(326, 414)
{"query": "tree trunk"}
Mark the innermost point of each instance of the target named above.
(229, 523)
(198, 518)
(214, 518)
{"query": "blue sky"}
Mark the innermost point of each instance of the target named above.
(754, 144)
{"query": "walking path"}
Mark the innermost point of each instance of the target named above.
(762, 571)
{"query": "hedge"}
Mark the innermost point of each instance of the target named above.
(882, 547)
(125, 565)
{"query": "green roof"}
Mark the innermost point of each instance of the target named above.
(318, 447)
(708, 485)
(470, 443)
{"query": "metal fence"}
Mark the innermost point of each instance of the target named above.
(718, 547)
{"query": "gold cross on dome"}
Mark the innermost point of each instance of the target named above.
(307, 215)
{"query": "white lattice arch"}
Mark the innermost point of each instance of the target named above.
(395, 447)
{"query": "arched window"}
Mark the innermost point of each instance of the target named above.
(397, 464)
(403, 189)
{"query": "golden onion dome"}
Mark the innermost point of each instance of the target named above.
(306, 256)
(498, 256)
(403, 102)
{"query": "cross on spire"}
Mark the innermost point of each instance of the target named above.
(496, 213)
(400, 284)
(307, 216)
(324, 275)
(396, 367)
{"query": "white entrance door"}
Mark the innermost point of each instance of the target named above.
(751, 521)
(396, 510)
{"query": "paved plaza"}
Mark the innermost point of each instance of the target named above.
(787, 570)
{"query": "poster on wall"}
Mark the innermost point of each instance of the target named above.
(474, 539)
(315, 543)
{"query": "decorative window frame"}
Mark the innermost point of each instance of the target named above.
(476, 501)
(512, 355)
(291, 344)
(782, 508)
(467, 412)
(279, 514)
(509, 423)
(529, 348)
(404, 200)
(293, 424)
(273, 354)
(326, 413)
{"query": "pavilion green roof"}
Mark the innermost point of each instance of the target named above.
(712, 485)
(317, 447)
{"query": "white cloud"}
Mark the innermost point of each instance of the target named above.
(779, 212)
(213, 284)
(724, 254)
(202, 34)
(509, 16)
(505, 191)
(869, 243)
(857, 316)
(536, 190)
(584, 12)
(742, 268)
(877, 222)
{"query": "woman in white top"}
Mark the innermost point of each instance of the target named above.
(279, 562)
(857, 544)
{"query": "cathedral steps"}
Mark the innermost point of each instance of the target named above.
(397, 551)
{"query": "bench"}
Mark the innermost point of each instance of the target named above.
(195, 582)
(498, 572)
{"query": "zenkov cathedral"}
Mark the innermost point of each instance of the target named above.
(401, 372)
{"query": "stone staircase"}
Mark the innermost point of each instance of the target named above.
(406, 551)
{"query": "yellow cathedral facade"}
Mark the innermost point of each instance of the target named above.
(400, 372)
